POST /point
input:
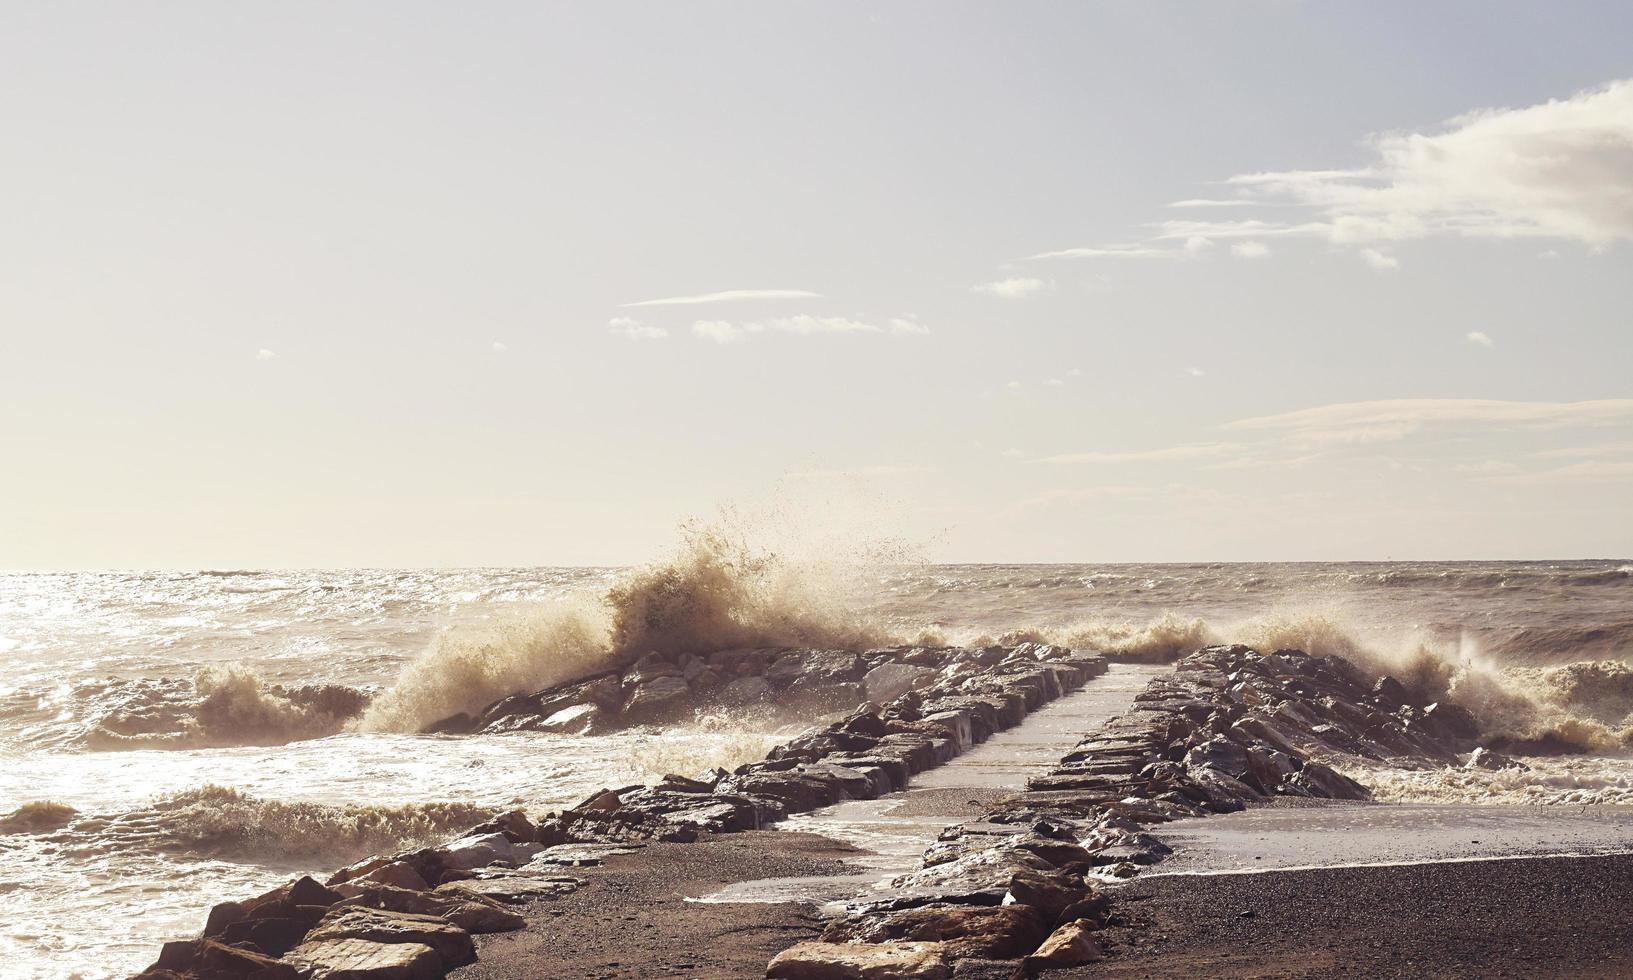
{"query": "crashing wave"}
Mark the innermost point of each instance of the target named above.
(718, 592)
(220, 822)
(221, 706)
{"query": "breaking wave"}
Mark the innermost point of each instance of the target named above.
(717, 592)
(220, 822)
(221, 706)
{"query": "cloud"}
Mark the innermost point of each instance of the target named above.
(1561, 169)
(499, 347)
(1479, 337)
(1110, 252)
(1379, 260)
(728, 296)
(1013, 288)
(1589, 452)
(1250, 250)
(264, 355)
(1195, 372)
(804, 325)
(1380, 421)
(633, 329)
(1171, 453)
(1074, 372)
(1054, 382)
(1593, 471)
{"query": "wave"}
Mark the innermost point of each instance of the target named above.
(221, 706)
(220, 822)
(717, 592)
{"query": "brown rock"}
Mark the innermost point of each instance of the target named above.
(452, 944)
(1070, 945)
(853, 961)
(361, 959)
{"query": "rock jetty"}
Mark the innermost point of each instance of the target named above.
(411, 915)
(1024, 884)
(1021, 890)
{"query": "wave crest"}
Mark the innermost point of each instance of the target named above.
(223, 706)
(717, 592)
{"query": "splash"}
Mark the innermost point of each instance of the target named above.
(36, 817)
(722, 588)
(222, 706)
(1164, 639)
(221, 822)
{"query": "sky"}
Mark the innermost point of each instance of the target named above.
(412, 284)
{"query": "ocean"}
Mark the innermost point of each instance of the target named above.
(218, 731)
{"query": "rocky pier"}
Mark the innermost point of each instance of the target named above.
(1027, 887)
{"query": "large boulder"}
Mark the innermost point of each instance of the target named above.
(363, 959)
(659, 698)
(469, 911)
(851, 961)
(888, 681)
(963, 931)
(485, 849)
(453, 945)
(1070, 945)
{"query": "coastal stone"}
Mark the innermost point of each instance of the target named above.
(963, 931)
(745, 690)
(469, 911)
(577, 719)
(452, 944)
(1484, 758)
(398, 874)
(1071, 945)
(362, 959)
(659, 698)
(849, 961)
(511, 888)
(889, 680)
(485, 849)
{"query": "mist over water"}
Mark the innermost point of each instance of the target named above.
(198, 735)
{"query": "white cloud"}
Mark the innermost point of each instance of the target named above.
(1016, 287)
(726, 331)
(1110, 252)
(633, 329)
(728, 296)
(1195, 372)
(1074, 372)
(1054, 382)
(1197, 244)
(1171, 453)
(1379, 260)
(1562, 169)
(499, 347)
(719, 331)
(1379, 421)
(1012, 454)
(1589, 452)
(1250, 250)
(1480, 337)
(1590, 472)
(1013, 386)
(264, 355)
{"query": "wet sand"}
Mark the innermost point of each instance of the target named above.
(631, 920)
(1541, 917)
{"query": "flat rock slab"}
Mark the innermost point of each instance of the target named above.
(582, 855)
(860, 961)
(512, 888)
(361, 959)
